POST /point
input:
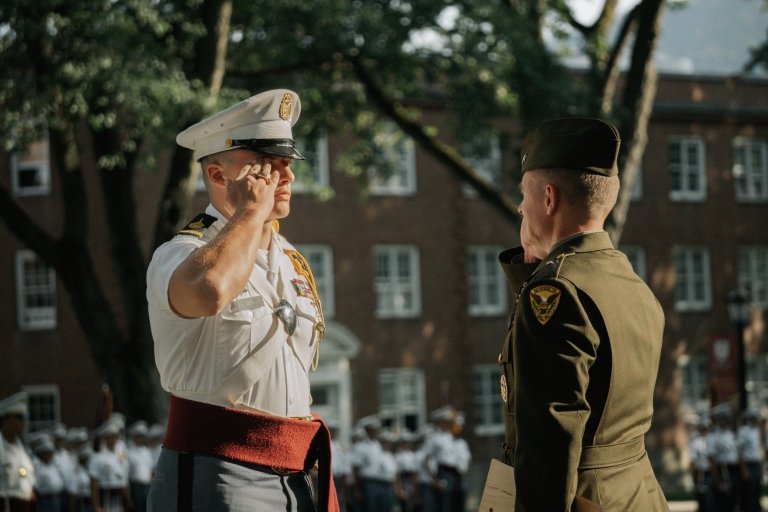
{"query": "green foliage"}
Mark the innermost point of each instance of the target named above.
(110, 64)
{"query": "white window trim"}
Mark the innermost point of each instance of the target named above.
(701, 384)
(17, 164)
(320, 167)
(48, 317)
(686, 194)
(486, 308)
(45, 389)
(704, 304)
(482, 164)
(392, 186)
(414, 283)
(749, 278)
(749, 196)
(492, 400)
(328, 299)
(400, 408)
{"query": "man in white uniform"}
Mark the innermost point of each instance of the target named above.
(17, 474)
(237, 322)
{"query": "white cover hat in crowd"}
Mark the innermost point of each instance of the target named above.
(14, 404)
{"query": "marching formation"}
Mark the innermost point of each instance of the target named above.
(726, 455)
(421, 471)
(62, 469)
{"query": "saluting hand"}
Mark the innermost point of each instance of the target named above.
(253, 187)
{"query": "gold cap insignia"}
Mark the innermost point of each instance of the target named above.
(544, 301)
(285, 106)
(196, 225)
(504, 389)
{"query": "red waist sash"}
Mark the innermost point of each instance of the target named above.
(283, 443)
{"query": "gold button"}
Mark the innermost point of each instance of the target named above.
(22, 472)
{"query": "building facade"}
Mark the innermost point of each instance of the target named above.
(417, 305)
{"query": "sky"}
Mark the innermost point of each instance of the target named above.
(699, 36)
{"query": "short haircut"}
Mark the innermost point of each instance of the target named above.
(594, 192)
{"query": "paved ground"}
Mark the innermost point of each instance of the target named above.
(690, 506)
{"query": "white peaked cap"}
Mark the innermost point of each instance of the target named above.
(262, 122)
(14, 404)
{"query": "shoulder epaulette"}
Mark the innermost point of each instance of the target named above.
(198, 225)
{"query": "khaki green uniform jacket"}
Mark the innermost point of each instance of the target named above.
(579, 368)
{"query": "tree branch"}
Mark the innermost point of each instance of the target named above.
(612, 68)
(441, 151)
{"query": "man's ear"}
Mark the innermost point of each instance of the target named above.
(214, 174)
(551, 198)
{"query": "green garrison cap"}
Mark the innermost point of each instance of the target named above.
(584, 144)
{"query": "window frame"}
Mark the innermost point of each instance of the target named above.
(413, 285)
(686, 193)
(39, 390)
(488, 166)
(394, 415)
(746, 193)
(319, 161)
(687, 304)
(21, 161)
(487, 400)
(47, 318)
(754, 278)
(402, 182)
(486, 307)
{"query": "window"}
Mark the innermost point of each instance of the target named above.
(693, 285)
(487, 287)
(320, 259)
(396, 281)
(394, 169)
(686, 169)
(753, 273)
(401, 394)
(44, 408)
(484, 155)
(30, 170)
(750, 169)
(757, 378)
(694, 389)
(35, 292)
(636, 257)
(314, 172)
(489, 413)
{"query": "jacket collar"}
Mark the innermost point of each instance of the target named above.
(587, 242)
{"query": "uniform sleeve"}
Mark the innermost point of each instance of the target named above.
(555, 345)
(164, 262)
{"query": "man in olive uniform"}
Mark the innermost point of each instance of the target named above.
(580, 361)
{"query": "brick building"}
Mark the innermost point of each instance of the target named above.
(416, 302)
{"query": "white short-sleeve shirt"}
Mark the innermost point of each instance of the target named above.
(197, 357)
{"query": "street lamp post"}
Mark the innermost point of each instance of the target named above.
(738, 311)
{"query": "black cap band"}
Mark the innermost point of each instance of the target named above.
(278, 147)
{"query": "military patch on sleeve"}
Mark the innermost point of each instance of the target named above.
(198, 225)
(544, 301)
